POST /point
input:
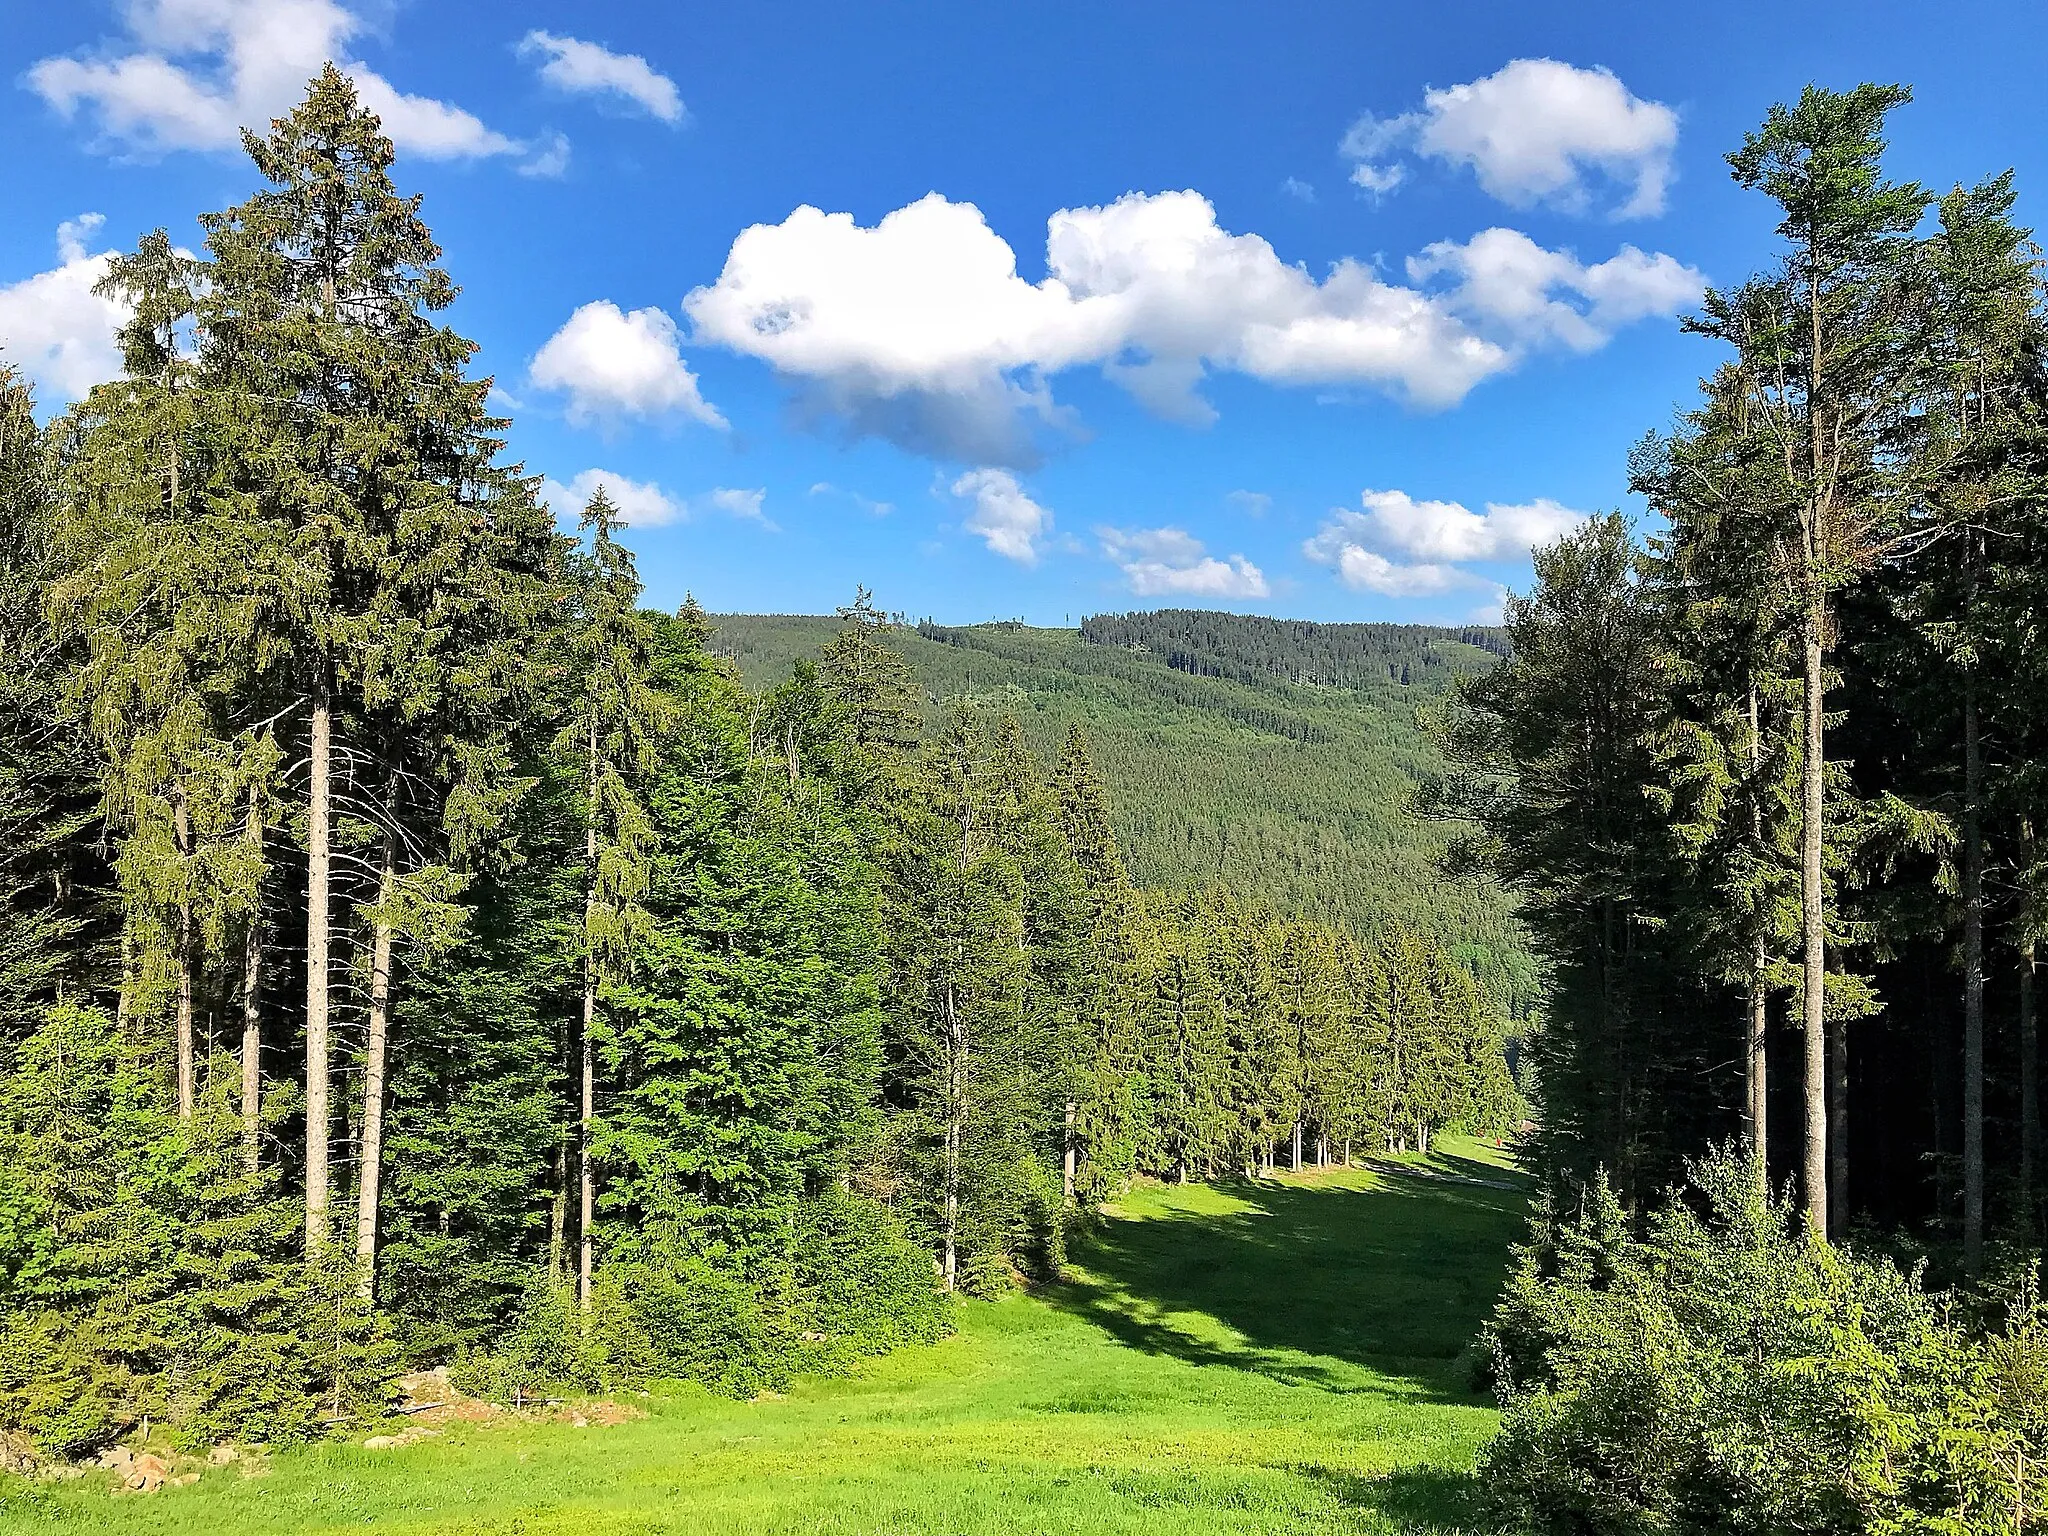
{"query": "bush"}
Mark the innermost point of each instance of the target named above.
(857, 1287)
(1722, 1372)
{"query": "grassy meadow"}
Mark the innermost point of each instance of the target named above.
(1281, 1357)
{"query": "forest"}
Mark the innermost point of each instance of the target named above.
(1300, 793)
(1251, 648)
(416, 952)
(1767, 778)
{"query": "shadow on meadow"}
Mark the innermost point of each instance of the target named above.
(1317, 1283)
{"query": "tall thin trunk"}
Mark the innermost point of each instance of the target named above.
(1756, 1053)
(319, 1110)
(369, 1184)
(1296, 1150)
(558, 1215)
(956, 1052)
(1073, 1150)
(185, 1056)
(1813, 764)
(586, 1237)
(252, 1045)
(586, 1172)
(1813, 915)
(252, 1004)
(2030, 1083)
(1838, 1128)
(1756, 1060)
(126, 999)
(1972, 880)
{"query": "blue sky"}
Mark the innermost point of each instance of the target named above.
(1324, 310)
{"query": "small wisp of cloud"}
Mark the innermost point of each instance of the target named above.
(626, 80)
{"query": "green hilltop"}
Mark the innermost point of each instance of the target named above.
(1276, 758)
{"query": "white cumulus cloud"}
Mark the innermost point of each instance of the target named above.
(1534, 132)
(191, 74)
(54, 328)
(1400, 547)
(1161, 561)
(1003, 516)
(1447, 530)
(641, 503)
(590, 69)
(1506, 284)
(613, 364)
(921, 330)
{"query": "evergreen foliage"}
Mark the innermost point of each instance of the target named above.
(1766, 782)
(1722, 1373)
(1299, 794)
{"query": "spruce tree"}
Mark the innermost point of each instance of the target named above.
(616, 726)
(397, 567)
(1845, 228)
(1980, 334)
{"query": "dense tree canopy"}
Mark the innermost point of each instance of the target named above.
(1767, 781)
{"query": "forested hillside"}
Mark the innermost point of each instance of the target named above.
(1294, 795)
(1252, 648)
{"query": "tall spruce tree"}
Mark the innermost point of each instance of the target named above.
(617, 723)
(1980, 334)
(1845, 230)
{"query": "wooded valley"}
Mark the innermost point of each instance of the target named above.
(419, 956)
(419, 953)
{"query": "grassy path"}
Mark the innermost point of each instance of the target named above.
(1282, 1357)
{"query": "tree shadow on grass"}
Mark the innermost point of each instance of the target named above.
(1415, 1500)
(1315, 1283)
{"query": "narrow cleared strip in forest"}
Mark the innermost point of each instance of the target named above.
(1286, 1356)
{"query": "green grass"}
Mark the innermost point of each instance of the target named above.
(1279, 1357)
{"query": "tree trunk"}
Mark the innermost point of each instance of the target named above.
(1813, 916)
(558, 1214)
(369, 1182)
(956, 1051)
(1972, 880)
(1756, 1069)
(252, 1045)
(318, 875)
(1296, 1160)
(2030, 1084)
(252, 1003)
(586, 1238)
(186, 1076)
(1072, 1155)
(1756, 1055)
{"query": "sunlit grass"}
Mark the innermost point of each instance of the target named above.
(1286, 1356)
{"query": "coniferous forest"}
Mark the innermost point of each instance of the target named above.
(1767, 779)
(417, 952)
(421, 958)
